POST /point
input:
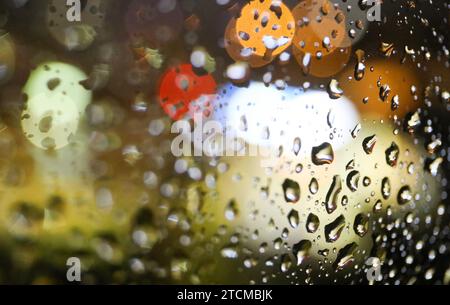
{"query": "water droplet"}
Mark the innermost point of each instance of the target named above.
(298, 168)
(404, 195)
(231, 211)
(243, 123)
(293, 218)
(433, 166)
(353, 180)
(344, 200)
(301, 250)
(361, 225)
(330, 118)
(277, 243)
(385, 90)
(322, 154)
(333, 193)
(392, 154)
(366, 181)
(386, 188)
(345, 256)
(378, 206)
(229, 252)
(297, 145)
(312, 223)
(413, 121)
(314, 186)
(286, 263)
(334, 91)
(369, 144)
(359, 71)
(432, 146)
(334, 229)
(395, 102)
(291, 191)
(387, 48)
(356, 131)
(350, 165)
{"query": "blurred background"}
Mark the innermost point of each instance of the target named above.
(356, 108)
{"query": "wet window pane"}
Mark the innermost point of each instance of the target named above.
(224, 142)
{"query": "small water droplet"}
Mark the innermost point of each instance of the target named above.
(298, 168)
(395, 102)
(385, 90)
(297, 145)
(356, 131)
(344, 200)
(378, 206)
(359, 71)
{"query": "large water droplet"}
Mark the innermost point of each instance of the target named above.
(353, 180)
(334, 229)
(322, 154)
(313, 186)
(286, 263)
(345, 256)
(291, 191)
(293, 218)
(392, 154)
(333, 193)
(361, 225)
(369, 144)
(386, 188)
(404, 195)
(301, 250)
(312, 223)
